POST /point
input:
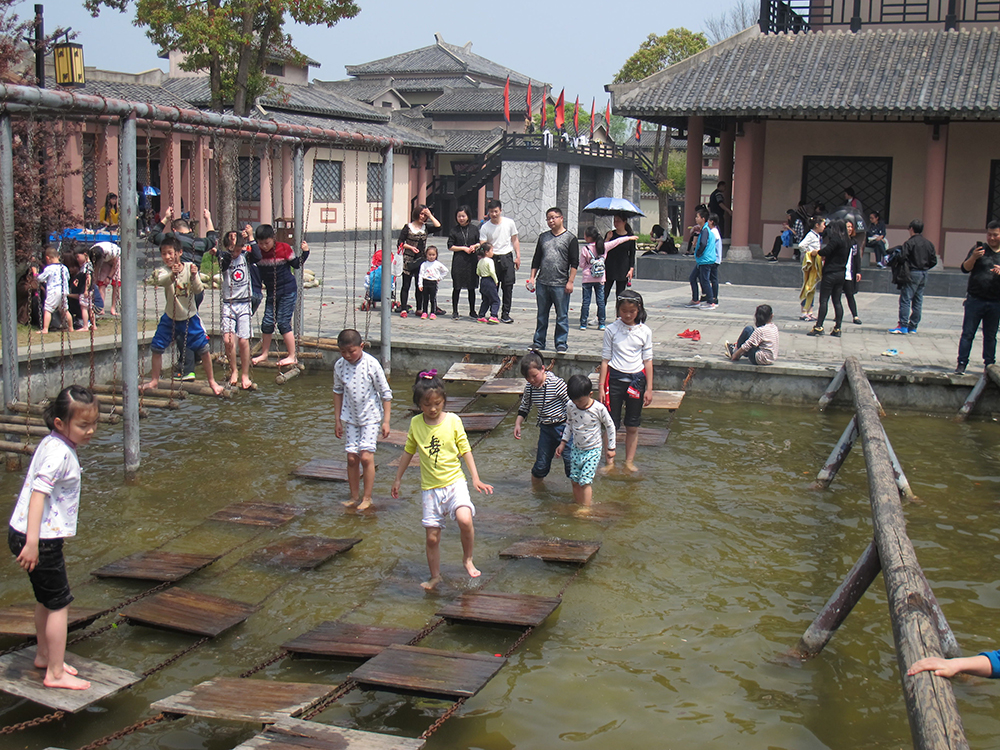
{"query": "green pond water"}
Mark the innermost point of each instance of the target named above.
(712, 565)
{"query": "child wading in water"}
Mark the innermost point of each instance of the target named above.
(361, 401)
(583, 427)
(547, 392)
(44, 516)
(441, 440)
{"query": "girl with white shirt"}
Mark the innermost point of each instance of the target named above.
(431, 272)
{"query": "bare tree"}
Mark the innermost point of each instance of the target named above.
(742, 15)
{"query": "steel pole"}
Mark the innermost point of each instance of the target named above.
(8, 267)
(386, 331)
(298, 211)
(129, 305)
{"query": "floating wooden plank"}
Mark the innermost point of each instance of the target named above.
(471, 371)
(396, 437)
(19, 676)
(428, 671)
(189, 612)
(286, 734)
(19, 619)
(517, 610)
(670, 400)
(481, 422)
(348, 640)
(156, 565)
(256, 514)
(324, 469)
(302, 552)
(553, 550)
(257, 701)
(653, 436)
(502, 386)
(452, 403)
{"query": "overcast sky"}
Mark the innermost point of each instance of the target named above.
(580, 47)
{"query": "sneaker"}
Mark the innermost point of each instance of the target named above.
(835, 333)
(600, 327)
(439, 311)
(495, 320)
(685, 334)
(506, 319)
(583, 328)
(771, 259)
(481, 320)
(473, 314)
(960, 369)
(707, 306)
(432, 316)
(729, 349)
(899, 330)
(455, 316)
(693, 303)
(911, 331)
(188, 377)
(695, 335)
(403, 314)
(423, 316)
(857, 320)
(561, 349)
(815, 331)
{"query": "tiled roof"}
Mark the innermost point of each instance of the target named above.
(479, 101)
(362, 90)
(437, 83)
(648, 141)
(409, 136)
(440, 57)
(468, 141)
(411, 118)
(136, 92)
(880, 72)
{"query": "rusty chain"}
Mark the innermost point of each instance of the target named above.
(170, 660)
(442, 718)
(37, 722)
(124, 732)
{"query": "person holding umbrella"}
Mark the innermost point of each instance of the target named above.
(620, 261)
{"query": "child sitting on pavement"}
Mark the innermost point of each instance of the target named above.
(759, 342)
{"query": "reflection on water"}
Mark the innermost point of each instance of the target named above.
(712, 565)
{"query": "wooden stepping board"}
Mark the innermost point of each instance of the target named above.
(512, 610)
(189, 612)
(481, 422)
(670, 400)
(428, 671)
(320, 468)
(256, 514)
(502, 386)
(286, 734)
(654, 436)
(19, 619)
(471, 371)
(156, 565)
(302, 552)
(257, 701)
(348, 640)
(452, 403)
(553, 550)
(396, 437)
(20, 677)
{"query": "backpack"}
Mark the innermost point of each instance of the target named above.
(597, 267)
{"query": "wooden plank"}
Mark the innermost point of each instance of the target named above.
(323, 469)
(302, 552)
(348, 640)
(396, 437)
(256, 514)
(553, 550)
(19, 619)
(452, 403)
(286, 734)
(502, 386)
(189, 612)
(156, 565)
(19, 676)
(654, 436)
(428, 671)
(669, 400)
(233, 699)
(479, 422)
(471, 371)
(517, 610)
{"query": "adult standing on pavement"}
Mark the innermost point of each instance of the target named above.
(619, 262)
(982, 299)
(463, 240)
(853, 276)
(553, 269)
(917, 255)
(413, 241)
(501, 233)
(718, 204)
(836, 254)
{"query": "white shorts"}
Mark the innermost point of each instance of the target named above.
(54, 301)
(361, 437)
(236, 319)
(442, 502)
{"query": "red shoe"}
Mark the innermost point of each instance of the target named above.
(695, 336)
(686, 334)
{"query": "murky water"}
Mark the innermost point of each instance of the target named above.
(711, 566)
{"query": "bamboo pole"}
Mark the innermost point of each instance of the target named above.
(320, 345)
(28, 430)
(838, 455)
(24, 449)
(22, 419)
(116, 390)
(105, 414)
(831, 390)
(283, 377)
(930, 702)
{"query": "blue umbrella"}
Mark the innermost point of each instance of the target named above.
(612, 206)
(150, 190)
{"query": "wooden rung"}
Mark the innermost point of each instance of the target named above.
(429, 672)
(156, 565)
(553, 550)
(272, 364)
(299, 355)
(116, 390)
(471, 371)
(308, 735)
(19, 619)
(256, 514)
(9, 428)
(20, 677)
(348, 640)
(147, 401)
(497, 386)
(20, 407)
(302, 552)
(284, 376)
(256, 701)
(320, 345)
(24, 449)
(189, 612)
(311, 340)
(22, 419)
(481, 422)
(508, 610)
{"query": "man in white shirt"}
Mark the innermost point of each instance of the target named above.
(501, 233)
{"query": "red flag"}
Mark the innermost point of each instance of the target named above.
(529, 98)
(576, 116)
(638, 130)
(593, 103)
(607, 117)
(561, 110)
(506, 101)
(545, 108)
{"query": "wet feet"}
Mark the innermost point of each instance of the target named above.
(365, 503)
(431, 584)
(352, 503)
(217, 389)
(472, 570)
(66, 667)
(287, 361)
(67, 682)
(259, 358)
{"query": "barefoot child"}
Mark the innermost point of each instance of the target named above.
(361, 402)
(441, 440)
(45, 514)
(234, 262)
(627, 368)
(583, 426)
(276, 264)
(55, 276)
(181, 282)
(545, 391)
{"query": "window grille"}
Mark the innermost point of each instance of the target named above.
(326, 181)
(375, 182)
(825, 177)
(248, 179)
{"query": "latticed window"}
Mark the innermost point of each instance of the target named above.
(825, 177)
(374, 182)
(248, 179)
(993, 205)
(327, 181)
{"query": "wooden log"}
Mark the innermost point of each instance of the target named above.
(840, 604)
(324, 340)
(147, 401)
(300, 355)
(22, 419)
(831, 390)
(106, 415)
(25, 449)
(319, 345)
(930, 701)
(8, 428)
(838, 455)
(272, 364)
(897, 471)
(116, 390)
(970, 402)
(283, 377)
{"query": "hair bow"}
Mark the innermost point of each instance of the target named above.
(428, 374)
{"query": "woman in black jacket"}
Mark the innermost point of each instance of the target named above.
(619, 262)
(463, 240)
(836, 254)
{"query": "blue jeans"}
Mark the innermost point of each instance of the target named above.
(987, 312)
(286, 306)
(547, 296)
(702, 274)
(549, 437)
(752, 351)
(598, 290)
(911, 300)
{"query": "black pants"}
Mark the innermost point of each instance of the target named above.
(505, 275)
(491, 300)
(620, 285)
(850, 289)
(472, 301)
(404, 293)
(831, 286)
(430, 295)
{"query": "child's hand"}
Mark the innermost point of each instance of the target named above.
(486, 489)
(559, 450)
(338, 429)
(395, 490)
(611, 456)
(940, 667)
(206, 215)
(421, 288)
(304, 246)
(385, 430)
(517, 432)
(28, 558)
(247, 232)
(177, 268)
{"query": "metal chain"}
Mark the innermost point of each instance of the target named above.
(345, 687)
(37, 722)
(125, 732)
(442, 719)
(30, 329)
(266, 663)
(170, 660)
(62, 356)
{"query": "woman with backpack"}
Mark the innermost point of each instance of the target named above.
(594, 273)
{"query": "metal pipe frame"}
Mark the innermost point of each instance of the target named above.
(298, 215)
(8, 267)
(129, 243)
(386, 328)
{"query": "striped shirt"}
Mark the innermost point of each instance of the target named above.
(551, 400)
(765, 338)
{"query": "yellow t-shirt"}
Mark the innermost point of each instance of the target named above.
(441, 448)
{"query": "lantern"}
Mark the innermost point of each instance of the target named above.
(69, 64)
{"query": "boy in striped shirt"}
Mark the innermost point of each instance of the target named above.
(546, 392)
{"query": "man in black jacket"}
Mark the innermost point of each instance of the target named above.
(917, 255)
(982, 301)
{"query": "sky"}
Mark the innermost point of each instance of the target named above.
(580, 50)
